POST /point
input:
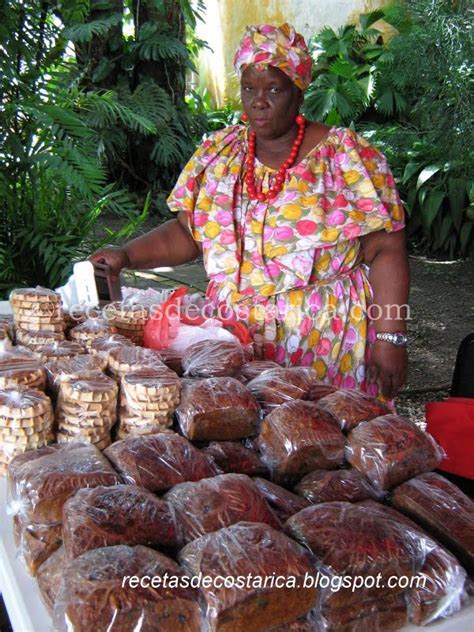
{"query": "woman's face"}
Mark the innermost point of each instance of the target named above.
(270, 100)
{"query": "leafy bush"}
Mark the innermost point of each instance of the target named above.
(350, 74)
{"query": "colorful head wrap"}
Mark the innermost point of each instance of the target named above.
(282, 47)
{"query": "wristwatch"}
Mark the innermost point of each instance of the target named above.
(397, 338)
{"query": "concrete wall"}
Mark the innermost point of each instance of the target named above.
(225, 22)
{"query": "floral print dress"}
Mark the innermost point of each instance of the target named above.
(290, 268)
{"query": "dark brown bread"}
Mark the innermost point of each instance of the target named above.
(323, 486)
(349, 539)
(122, 514)
(250, 370)
(213, 358)
(443, 510)
(258, 550)
(157, 462)
(350, 407)
(443, 582)
(283, 502)
(297, 438)
(233, 456)
(40, 481)
(36, 542)
(213, 503)
(49, 577)
(389, 450)
(279, 385)
(217, 409)
(93, 596)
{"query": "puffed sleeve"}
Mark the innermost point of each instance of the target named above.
(197, 186)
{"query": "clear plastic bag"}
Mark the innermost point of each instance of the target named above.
(284, 503)
(233, 456)
(121, 514)
(78, 367)
(347, 485)
(443, 510)
(388, 450)
(21, 367)
(217, 409)
(104, 344)
(351, 540)
(36, 542)
(318, 390)
(251, 370)
(91, 329)
(213, 358)
(350, 408)
(26, 421)
(211, 504)
(49, 577)
(157, 462)
(262, 552)
(298, 438)
(123, 360)
(40, 481)
(64, 349)
(94, 595)
(274, 387)
(445, 588)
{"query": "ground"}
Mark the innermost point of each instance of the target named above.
(442, 313)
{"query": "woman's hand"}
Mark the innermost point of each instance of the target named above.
(116, 258)
(388, 367)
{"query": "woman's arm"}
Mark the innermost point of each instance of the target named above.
(389, 276)
(170, 244)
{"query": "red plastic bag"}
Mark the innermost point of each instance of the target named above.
(452, 425)
(157, 329)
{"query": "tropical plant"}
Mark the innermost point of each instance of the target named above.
(53, 188)
(350, 73)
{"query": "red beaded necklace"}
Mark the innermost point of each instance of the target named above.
(254, 191)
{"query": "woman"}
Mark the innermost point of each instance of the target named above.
(300, 227)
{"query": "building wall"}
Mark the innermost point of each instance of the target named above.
(225, 21)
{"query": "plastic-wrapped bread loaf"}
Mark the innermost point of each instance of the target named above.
(323, 486)
(350, 407)
(122, 514)
(21, 367)
(388, 450)
(233, 456)
(349, 539)
(283, 502)
(213, 358)
(258, 550)
(78, 367)
(26, 422)
(36, 542)
(278, 386)
(213, 503)
(91, 329)
(251, 370)
(218, 408)
(40, 481)
(49, 578)
(385, 614)
(123, 360)
(148, 399)
(318, 390)
(298, 438)
(93, 595)
(443, 510)
(443, 589)
(160, 461)
(37, 309)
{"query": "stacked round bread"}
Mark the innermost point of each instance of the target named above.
(65, 349)
(129, 319)
(37, 309)
(75, 368)
(26, 422)
(33, 339)
(21, 367)
(124, 360)
(86, 409)
(148, 398)
(105, 344)
(91, 329)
